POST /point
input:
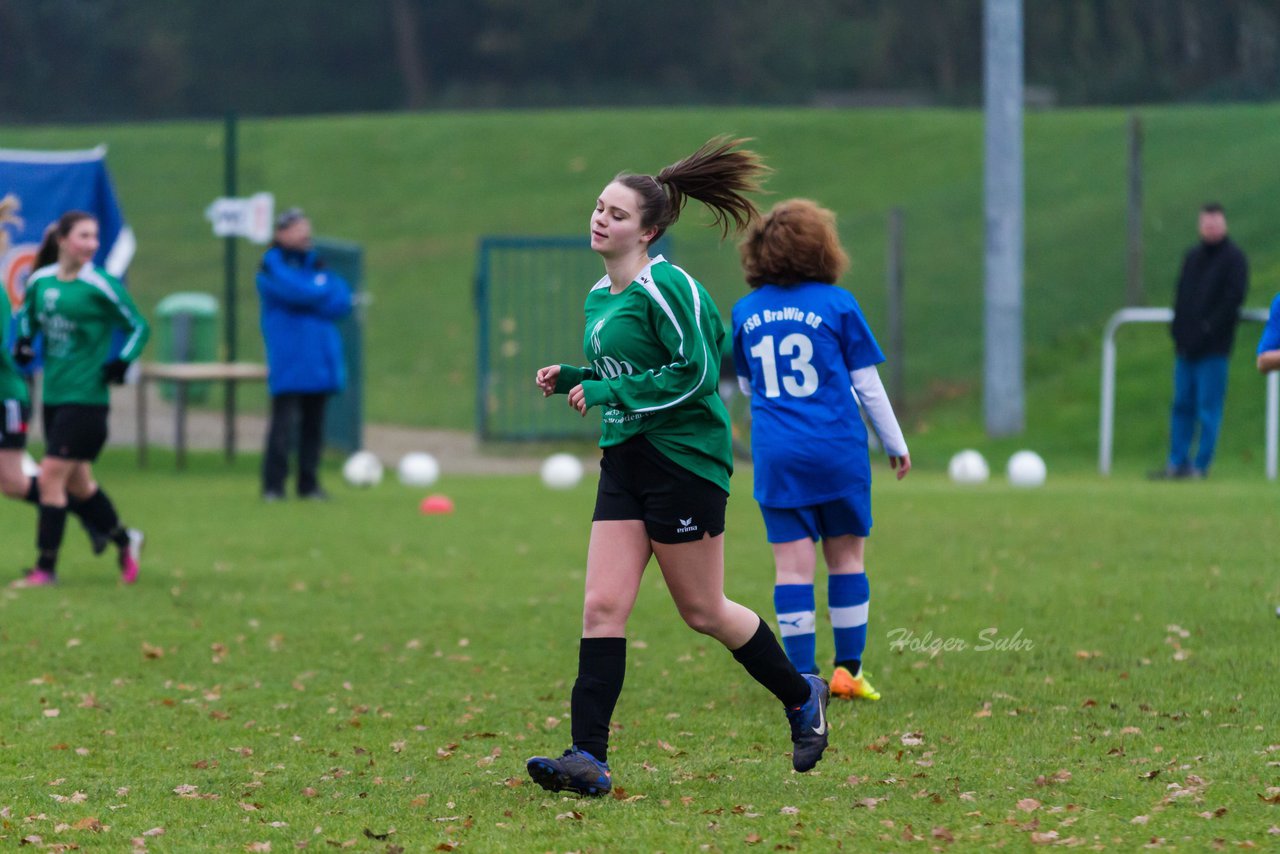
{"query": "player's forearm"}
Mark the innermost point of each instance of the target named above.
(1268, 360)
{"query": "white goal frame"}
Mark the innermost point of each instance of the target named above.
(1106, 429)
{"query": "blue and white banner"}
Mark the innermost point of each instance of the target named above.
(47, 184)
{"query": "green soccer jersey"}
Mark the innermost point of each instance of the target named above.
(77, 318)
(654, 353)
(12, 385)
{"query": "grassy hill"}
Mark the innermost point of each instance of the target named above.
(418, 190)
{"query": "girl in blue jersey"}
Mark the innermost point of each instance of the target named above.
(653, 340)
(799, 343)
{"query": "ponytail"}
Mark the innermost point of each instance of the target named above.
(718, 174)
(48, 253)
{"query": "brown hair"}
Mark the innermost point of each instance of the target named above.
(717, 174)
(49, 243)
(795, 242)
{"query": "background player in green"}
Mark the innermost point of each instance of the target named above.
(77, 306)
(15, 403)
(653, 338)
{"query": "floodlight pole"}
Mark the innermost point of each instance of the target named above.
(1003, 404)
(229, 261)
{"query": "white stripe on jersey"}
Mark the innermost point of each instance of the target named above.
(850, 617)
(91, 276)
(653, 291)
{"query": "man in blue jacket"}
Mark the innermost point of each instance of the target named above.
(300, 305)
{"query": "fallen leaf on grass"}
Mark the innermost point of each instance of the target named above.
(1028, 805)
(1272, 795)
(1218, 813)
(573, 815)
(88, 823)
(1140, 819)
(381, 837)
(52, 713)
(257, 846)
(753, 839)
(1060, 776)
(943, 834)
(155, 831)
(151, 651)
(1045, 837)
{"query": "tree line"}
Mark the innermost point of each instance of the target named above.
(80, 60)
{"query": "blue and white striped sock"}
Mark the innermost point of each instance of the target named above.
(849, 599)
(794, 604)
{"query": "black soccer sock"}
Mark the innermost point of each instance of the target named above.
(764, 659)
(602, 665)
(33, 491)
(853, 665)
(99, 513)
(53, 521)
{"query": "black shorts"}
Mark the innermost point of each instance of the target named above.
(15, 418)
(637, 481)
(75, 431)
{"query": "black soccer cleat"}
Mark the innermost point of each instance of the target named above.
(575, 771)
(809, 726)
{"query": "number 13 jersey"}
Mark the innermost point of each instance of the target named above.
(796, 347)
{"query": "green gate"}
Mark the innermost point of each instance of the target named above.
(529, 295)
(344, 413)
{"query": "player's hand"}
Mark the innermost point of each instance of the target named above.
(113, 372)
(24, 352)
(546, 379)
(578, 399)
(902, 464)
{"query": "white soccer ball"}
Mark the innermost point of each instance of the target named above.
(968, 466)
(363, 468)
(561, 471)
(1026, 468)
(418, 469)
(30, 468)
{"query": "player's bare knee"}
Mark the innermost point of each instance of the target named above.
(600, 612)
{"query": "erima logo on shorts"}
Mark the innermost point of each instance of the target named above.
(686, 525)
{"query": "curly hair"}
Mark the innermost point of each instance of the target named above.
(795, 242)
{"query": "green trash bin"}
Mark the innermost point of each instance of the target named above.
(186, 331)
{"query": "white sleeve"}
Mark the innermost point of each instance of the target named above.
(745, 385)
(871, 394)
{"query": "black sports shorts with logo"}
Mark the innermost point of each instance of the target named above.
(75, 431)
(637, 481)
(15, 418)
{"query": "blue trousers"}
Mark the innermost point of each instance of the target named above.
(1199, 389)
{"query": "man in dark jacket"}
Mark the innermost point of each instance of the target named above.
(300, 304)
(1211, 289)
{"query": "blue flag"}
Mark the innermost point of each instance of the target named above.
(47, 184)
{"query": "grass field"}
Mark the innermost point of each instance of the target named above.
(358, 675)
(417, 190)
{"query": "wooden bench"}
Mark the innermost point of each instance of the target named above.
(180, 374)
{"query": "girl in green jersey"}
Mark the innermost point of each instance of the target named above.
(653, 340)
(78, 307)
(15, 402)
